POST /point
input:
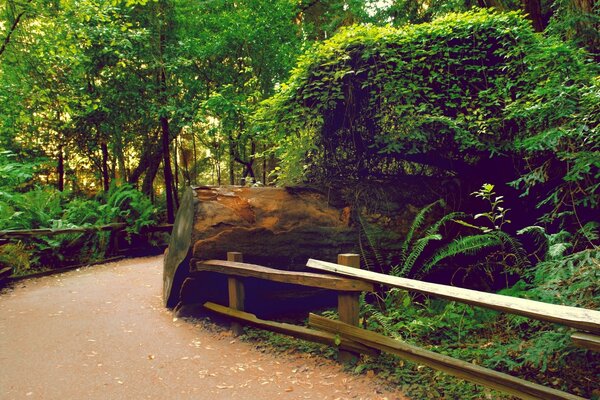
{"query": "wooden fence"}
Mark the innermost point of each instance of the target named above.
(116, 250)
(349, 280)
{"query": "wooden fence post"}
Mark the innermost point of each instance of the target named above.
(348, 306)
(235, 288)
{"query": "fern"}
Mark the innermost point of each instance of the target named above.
(516, 249)
(468, 245)
(412, 250)
(415, 226)
(16, 256)
(126, 204)
(416, 251)
(366, 232)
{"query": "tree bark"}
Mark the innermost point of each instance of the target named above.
(533, 9)
(176, 165)
(60, 169)
(231, 161)
(164, 122)
(151, 171)
(121, 168)
(105, 177)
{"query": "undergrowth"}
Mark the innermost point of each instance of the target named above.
(49, 208)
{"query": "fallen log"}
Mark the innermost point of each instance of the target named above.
(273, 227)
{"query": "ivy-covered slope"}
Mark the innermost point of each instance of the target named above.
(477, 95)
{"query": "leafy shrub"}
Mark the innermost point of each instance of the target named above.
(37, 208)
(469, 95)
(49, 208)
(126, 204)
(15, 256)
(13, 174)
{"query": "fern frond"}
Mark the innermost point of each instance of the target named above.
(515, 247)
(416, 225)
(415, 252)
(557, 250)
(383, 321)
(590, 231)
(370, 240)
(448, 217)
(464, 245)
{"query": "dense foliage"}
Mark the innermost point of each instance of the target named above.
(479, 96)
(109, 108)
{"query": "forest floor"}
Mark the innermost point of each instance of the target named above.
(102, 333)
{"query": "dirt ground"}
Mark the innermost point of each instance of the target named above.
(102, 333)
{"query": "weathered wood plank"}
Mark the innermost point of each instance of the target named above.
(461, 369)
(235, 288)
(579, 318)
(298, 278)
(299, 332)
(586, 341)
(348, 304)
(53, 232)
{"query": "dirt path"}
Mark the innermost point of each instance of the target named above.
(102, 333)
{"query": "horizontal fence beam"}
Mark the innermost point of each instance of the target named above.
(329, 281)
(579, 318)
(461, 369)
(52, 232)
(586, 341)
(299, 332)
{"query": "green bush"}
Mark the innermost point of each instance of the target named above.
(476, 95)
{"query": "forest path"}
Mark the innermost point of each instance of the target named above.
(103, 333)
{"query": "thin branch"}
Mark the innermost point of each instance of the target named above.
(12, 29)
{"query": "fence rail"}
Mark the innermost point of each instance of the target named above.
(579, 318)
(355, 339)
(20, 233)
(115, 230)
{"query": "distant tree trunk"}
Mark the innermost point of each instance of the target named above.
(195, 166)
(122, 170)
(264, 171)
(533, 9)
(151, 171)
(60, 169)
(587, 25)
(151, 155)
(248, 165)
(231, 161)
(176, 164)
(105, 177)
(164, 122)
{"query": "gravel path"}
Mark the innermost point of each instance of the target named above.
(102, 333)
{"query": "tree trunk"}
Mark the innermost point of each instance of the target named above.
(164, 122)
(105, 177)
(60, 169)
(122, 170)
(151, 171)
(176, 185)
(151, 154)
(231, 161)
(195, 166)
(533, 9)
